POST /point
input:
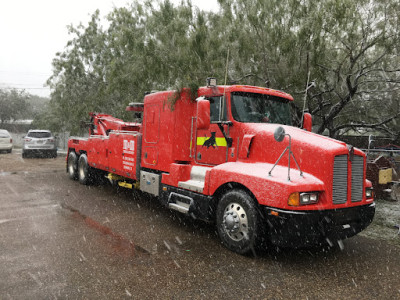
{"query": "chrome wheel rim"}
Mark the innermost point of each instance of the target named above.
(71, 168)
(82, 171)
(235, 222)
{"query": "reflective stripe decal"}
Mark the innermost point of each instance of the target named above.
(220, 141)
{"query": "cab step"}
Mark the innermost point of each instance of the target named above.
(179, 202)
(196, 181)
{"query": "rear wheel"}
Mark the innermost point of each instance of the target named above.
(83, 169)
(72, 165)
(238, 222)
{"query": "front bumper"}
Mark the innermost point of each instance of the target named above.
(305, 228)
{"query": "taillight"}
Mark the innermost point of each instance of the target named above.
(10, 141)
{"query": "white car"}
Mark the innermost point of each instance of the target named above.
(5, 141)
(39, 142)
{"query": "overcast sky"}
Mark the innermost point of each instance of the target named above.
(32, 31)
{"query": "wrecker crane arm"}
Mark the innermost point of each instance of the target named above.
(102, 124)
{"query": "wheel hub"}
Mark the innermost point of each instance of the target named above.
(231, 221)
(235, 222)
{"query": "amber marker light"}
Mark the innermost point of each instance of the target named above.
(274, 213)
(294, 199)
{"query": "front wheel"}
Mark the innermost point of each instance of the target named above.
(238, 222)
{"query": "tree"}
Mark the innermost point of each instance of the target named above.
(13, 105)
(350, 48)
(361, 69)
(78, 77)
(144, 48)
(346, 46)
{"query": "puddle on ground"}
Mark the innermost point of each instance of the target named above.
(119, 244)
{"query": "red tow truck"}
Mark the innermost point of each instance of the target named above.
(233, 158)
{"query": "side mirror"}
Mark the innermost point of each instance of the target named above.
(307, 122)
(279, 134)
(203, 113)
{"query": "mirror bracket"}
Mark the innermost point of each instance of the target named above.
(279, 135)
(229, 140)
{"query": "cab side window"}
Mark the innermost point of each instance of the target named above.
(216, 105)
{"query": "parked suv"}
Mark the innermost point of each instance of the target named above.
(39, 142)
(5, 141)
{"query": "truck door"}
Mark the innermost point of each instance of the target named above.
(211, 146)
(151, 136)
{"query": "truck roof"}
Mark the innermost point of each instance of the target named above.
(254, 89)
(221, 89)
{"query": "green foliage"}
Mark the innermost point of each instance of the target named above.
(13, 105)
(37, 105)
(349, 47)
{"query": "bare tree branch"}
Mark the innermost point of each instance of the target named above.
(234, 81)
(371, 125)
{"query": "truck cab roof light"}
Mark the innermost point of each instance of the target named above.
(211, 81)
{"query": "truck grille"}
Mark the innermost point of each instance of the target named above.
(357, 178)
(339, 185)
(340, 175)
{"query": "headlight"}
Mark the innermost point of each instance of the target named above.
(369, 193)
(296, 199)
(308, 198)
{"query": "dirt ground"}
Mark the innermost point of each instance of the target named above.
(384, 227)
(386, 222)
(60, 239)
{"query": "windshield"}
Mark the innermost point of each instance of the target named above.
(260, 108)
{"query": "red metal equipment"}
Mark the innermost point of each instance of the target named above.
(233, 158)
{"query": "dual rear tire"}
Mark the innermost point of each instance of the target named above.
(85, 174)
(78, 168)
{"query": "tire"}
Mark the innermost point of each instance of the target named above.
(54, 154)
(72, 165)
(84, 172)
(238, 222)
(9, 151)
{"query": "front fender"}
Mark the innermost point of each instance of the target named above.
(271, 190)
